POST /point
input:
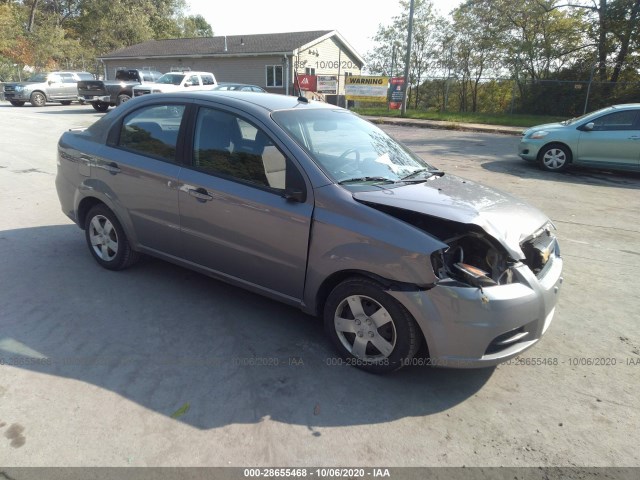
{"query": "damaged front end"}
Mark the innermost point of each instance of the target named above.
(491, 301)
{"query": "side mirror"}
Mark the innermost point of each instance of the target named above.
(50, 82)
(188, 84)
(588, 126)
(294, 195)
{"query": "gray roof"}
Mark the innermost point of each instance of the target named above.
(236, 45)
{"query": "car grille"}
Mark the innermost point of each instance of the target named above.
(9, 88)
(539, 250)
(140, 92)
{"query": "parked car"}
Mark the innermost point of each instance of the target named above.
(311, 205)
(607, 138)
(242, 87)
(177, 81)
(46, 87)
(102, 94)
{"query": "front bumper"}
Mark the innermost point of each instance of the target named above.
(528, 150)
(17, 96)
(466, 327)
(94, 98)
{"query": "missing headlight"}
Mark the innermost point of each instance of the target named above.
(472, 259)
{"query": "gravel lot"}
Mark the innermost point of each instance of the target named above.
(158, 366)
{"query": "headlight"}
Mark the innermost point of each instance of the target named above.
(19, 88)
(539, 134)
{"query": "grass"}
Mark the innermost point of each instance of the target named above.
(510, 120)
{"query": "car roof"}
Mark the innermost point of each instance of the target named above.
(267, 101)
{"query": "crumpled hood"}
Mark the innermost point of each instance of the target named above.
(504, 217)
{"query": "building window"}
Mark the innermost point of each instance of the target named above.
(274, 76)
(309, 71)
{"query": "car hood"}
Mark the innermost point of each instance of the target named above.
(504, 217)
(545, 126)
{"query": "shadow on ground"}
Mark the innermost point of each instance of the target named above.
(182, 344)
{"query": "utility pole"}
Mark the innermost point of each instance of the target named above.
(408, 59)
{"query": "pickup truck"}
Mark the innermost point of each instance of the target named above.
(104, 94)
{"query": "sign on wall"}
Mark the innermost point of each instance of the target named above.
(307, 82)
(397, 93)
(366, 89)
(327, 84)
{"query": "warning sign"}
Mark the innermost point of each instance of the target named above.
(366, 89)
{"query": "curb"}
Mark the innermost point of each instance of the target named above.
(466, 127)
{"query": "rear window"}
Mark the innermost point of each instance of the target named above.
(85, 76)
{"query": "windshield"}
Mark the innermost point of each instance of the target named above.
(171, 78)
(577, 119)
(350, 149)
(38, 77)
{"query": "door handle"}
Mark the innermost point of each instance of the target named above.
(112, 168)
(200, 194)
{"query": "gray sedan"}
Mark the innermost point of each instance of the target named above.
(311, 205)
(607, 138)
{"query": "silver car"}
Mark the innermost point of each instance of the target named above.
(608, 138)
(311, 205)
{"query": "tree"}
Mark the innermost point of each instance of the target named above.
(196, 26)
(391, 44)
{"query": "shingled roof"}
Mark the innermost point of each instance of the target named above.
(224, 45)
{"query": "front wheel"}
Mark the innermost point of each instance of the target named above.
(16, 103)
(554, 157)
(100, 106)
(122, 98)
(370, 329)
(38, 99)
(107, 241)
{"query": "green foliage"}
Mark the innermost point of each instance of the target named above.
(47, 34)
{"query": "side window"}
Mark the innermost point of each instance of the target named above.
(207, 80)
(68, 78)
(54, 78)
(616, 121)
(152, 131)
(193, 80)
(228, 146)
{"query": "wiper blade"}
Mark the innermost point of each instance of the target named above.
(366, 179)
(430, 172)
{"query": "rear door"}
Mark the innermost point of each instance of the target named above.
(141, 166)
(234, 218)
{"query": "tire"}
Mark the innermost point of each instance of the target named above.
(16, 103)
(389, 336)
(38, 99)
(66, 102)
(554, 157)
(122, 98)
(100, 106)
(107, 241)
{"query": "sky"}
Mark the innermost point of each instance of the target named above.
(356, 20)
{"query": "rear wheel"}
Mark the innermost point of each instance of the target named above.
(100, 106)
(107, 241)
(370, 329)
(554, 157)
(16, 103)
(38, 99)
